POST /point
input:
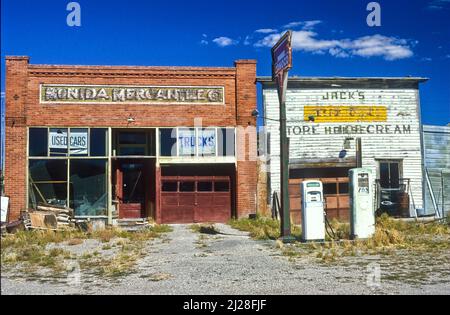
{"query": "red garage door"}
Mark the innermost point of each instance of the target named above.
(195, 199)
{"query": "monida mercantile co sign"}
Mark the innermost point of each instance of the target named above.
(326, 117)
(56, 94)
(112, 142)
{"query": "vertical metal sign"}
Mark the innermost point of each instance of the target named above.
(281, 64)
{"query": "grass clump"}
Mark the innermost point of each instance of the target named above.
(390, 236)
(204, 228)
(31, 250)
(261, 228)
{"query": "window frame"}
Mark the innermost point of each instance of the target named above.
(389, 162)
(197, 131)
(68, 158)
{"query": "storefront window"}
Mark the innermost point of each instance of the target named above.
(88, 187)
(206, 142)
(225, 138)
(57, 141)
(38, 145)
(79, 141)
(168, 142)
(186, 142)
(191, 142)
(48, 182)
(99, 139)
(132, 138)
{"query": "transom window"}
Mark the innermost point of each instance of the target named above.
(201, 142)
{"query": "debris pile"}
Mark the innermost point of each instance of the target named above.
(50, 217)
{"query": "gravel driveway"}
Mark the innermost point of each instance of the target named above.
(185, 262)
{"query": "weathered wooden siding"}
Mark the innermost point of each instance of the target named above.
(398, 137)
(437, 162)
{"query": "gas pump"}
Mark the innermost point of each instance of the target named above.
(313, 218)
(362, 216)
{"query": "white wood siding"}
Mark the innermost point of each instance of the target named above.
(402, 109)
(437, 162)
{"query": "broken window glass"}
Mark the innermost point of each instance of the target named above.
(88, 187)
(48, 182)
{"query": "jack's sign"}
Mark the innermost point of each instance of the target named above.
(334, 114)
(106, 94)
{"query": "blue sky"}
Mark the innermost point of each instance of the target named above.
(331, 37)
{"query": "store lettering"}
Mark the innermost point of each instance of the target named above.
(348, 129)
(202, 141)
(114, 94)
(344, 95)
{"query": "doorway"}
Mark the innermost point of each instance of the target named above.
(134, 188)
(390, 174)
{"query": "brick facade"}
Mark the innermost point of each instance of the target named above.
(23, 109)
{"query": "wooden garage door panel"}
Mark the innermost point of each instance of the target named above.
(213, 207)
(222, 201)
(169, 199)
(337, 206)
(332, 202)
(198, 206)
(205, 199)
(178, 214)
(295, 203)
(186, 199)
(294, 189)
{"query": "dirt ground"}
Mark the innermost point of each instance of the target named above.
(187, 262)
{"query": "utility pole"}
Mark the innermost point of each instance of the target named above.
(281, 64)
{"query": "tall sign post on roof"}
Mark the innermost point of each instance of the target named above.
(281, 64)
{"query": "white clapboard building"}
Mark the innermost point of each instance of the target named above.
(325, 118)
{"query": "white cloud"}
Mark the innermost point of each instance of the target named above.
(204, 42)
(247, 40)
(438, 4)
(304, 25)
(389, 48)
(266, 31)
(427, 59)
(224, 41)
(339, 53)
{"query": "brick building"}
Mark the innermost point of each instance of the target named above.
(176, 144)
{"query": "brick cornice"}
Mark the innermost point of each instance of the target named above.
(131, 71)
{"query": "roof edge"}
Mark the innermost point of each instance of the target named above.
(268, 79)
